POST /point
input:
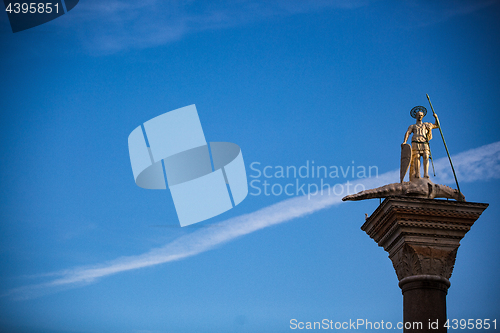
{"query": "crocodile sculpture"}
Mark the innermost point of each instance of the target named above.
(419, 188)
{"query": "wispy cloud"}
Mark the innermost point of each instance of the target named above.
(114, 25)
(430, 13)
(482, 163)
(111, 26)
(107, 27)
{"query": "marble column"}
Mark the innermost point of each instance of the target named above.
(422, 237)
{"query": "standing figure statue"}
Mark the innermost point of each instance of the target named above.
(422, 134)
(417, 187)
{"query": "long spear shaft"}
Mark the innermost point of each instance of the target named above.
(445, 146)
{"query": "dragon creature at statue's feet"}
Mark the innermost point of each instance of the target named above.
(419, 188)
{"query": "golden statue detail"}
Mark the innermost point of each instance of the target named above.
(420, 187)
(422, 134)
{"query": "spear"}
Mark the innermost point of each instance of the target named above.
(445, 146)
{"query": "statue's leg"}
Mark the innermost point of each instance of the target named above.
(417, 165)
(413, 169)
(426, 164)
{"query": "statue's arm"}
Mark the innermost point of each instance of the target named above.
(407, 134)
(436, 123)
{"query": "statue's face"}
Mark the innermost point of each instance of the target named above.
(420, 115)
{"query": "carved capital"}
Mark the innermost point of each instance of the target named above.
(422, 236)
(412, 260)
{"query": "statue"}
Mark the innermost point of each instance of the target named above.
(422, 134)
(410, 157)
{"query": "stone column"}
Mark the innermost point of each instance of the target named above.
(422, 237)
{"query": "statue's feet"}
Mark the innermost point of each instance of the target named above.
(426, 176)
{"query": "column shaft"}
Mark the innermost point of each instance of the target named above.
(424, 303)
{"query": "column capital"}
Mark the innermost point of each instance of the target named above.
(422, 236)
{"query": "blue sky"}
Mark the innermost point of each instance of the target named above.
(83, 249)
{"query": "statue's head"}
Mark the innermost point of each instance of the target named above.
(418, 112)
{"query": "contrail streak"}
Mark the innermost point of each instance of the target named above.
(476, 164)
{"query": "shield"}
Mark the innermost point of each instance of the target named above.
(405, 160)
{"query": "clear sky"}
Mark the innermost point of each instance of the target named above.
(83, 249)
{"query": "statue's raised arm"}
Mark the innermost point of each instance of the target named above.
(436, 122)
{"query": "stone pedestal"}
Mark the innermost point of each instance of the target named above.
(422, 237)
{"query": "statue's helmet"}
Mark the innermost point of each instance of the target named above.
(417, 109)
